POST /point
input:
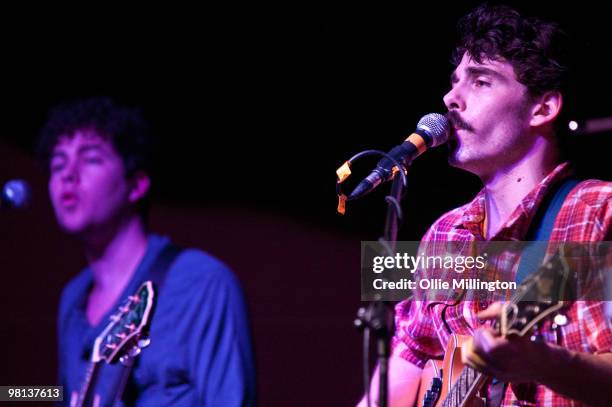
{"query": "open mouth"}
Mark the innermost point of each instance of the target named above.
(69, 199)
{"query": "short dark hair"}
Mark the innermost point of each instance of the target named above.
(125, 127)
(536, 49)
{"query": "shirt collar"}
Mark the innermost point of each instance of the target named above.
(517, 225)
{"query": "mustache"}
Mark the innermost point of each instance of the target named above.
(458, 122)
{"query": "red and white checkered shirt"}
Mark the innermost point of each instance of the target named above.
(585, 216)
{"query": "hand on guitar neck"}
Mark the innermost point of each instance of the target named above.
(510, 358)
(515, 359)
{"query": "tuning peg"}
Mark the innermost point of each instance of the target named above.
(560, 320)
(144, 342)
(535, 309)
(537, 337)
(120, 335)
(135, 351)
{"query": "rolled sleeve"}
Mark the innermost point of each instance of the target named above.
(415, 337)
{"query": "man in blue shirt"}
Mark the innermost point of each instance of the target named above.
(98, 155)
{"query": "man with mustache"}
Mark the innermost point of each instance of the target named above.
(505, 96)
(99, 158)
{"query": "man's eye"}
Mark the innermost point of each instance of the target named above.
(480, 83)
(93, 160)
(56, 166)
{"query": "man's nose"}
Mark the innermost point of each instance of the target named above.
(453, 100)
(70, 173)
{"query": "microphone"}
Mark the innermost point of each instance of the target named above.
(16, 194)
(431, 131)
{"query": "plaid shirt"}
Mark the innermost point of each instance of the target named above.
(585, 216)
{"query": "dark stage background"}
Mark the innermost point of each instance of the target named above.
(255, 105)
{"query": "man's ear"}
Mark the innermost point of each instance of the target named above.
(546, 108)
(139, 186)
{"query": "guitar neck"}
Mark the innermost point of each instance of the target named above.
(467, 385)
(121, 340)
(86, 393)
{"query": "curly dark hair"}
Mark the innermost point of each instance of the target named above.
(123, 126)
(535, 48)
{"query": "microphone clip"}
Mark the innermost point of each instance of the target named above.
(344, 171)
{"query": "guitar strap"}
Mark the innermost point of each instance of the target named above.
(157, 275)
(541, 228)
(533, 256)
(159, 269)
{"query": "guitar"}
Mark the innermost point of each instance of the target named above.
(122, 340)
(448, 383)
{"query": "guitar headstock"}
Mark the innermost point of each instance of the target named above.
(543, 293)
(127, 332)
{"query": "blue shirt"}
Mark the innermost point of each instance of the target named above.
(200, 352)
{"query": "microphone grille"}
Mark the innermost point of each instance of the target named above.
(16, 194)
(437, 126)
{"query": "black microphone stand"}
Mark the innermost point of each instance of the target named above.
(378, 317)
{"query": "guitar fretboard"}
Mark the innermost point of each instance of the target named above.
(469, 381)
(85, 396)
